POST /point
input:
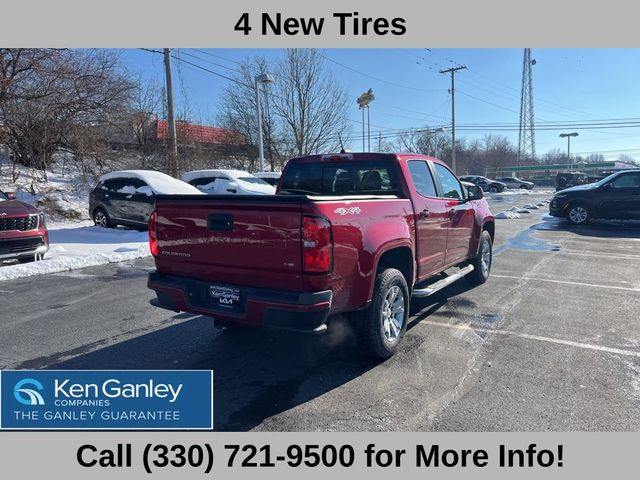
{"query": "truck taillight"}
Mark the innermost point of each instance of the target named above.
(153, 233)
(317, 252)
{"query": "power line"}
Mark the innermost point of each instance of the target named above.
(216, 56)
(376, 78)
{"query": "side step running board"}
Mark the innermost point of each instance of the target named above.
(439, 285)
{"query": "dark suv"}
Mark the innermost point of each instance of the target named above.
(486, 184)
(570, 179)
(126, 197)
(23, 231)
(616, 196)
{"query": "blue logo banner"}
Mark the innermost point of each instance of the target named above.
(106, 399)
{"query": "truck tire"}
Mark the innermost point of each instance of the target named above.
(382, 325)
(482, 262)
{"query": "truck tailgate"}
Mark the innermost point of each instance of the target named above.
(237, 240)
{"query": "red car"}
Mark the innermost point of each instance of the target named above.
(23, 231)
(358, 234)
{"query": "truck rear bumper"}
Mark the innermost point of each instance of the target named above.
(302, 312)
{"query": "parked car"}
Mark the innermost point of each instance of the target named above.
(272, 178)
(570, 179)
(126, 197)
(515, 182)
(23, 230)
(354, 233)
(486, 184)
(224, 182)
(616, 196)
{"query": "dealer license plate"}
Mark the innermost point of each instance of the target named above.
(226, 297)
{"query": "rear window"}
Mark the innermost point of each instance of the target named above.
(355, 178)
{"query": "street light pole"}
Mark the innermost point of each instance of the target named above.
(264, 78)
(363, 102)
(435, 140)
(568, 137)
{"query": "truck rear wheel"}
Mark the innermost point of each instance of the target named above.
(382, 325)
(482, 262)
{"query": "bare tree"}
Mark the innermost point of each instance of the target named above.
(238, 111)
(60, 100)
(304, 111)
(626, 158)
(310, 102)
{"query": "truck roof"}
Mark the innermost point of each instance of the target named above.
(362, 156)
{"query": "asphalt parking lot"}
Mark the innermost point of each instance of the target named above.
(550, 342)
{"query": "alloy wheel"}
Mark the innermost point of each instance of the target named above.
(393, 313)
(578, 214)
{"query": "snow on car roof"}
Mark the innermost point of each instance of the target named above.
(267, 174)
(207, 173)
(160, 183)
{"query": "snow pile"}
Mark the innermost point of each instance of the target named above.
(63, 196)
(508, 214)
(81, 245)
(514, 191)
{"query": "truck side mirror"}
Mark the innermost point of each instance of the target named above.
(474, 193)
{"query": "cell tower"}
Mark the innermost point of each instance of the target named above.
(527, 133)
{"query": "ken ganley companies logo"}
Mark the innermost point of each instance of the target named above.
(28, 396)
(123, 399)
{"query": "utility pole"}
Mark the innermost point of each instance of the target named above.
(379, 141)
(453, 71)
(173, 144)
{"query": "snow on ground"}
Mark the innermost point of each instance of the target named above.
(80, 245)
(514, 191)
(63, 196)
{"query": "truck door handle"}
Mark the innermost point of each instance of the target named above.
(452, 212)
(425, 213)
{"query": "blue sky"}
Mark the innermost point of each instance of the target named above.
(569, 85)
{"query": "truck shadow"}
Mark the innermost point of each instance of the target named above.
(422, 308)
(257, 373)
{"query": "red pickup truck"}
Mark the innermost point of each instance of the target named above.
(352, 233)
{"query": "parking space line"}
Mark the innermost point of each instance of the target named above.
(567, 282)
(598, 255)
(588, 346)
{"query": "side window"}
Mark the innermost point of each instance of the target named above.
(136, 183)
(422, 178)
(113, 184)
(198, 182)
(451, 187)
(630, 180)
